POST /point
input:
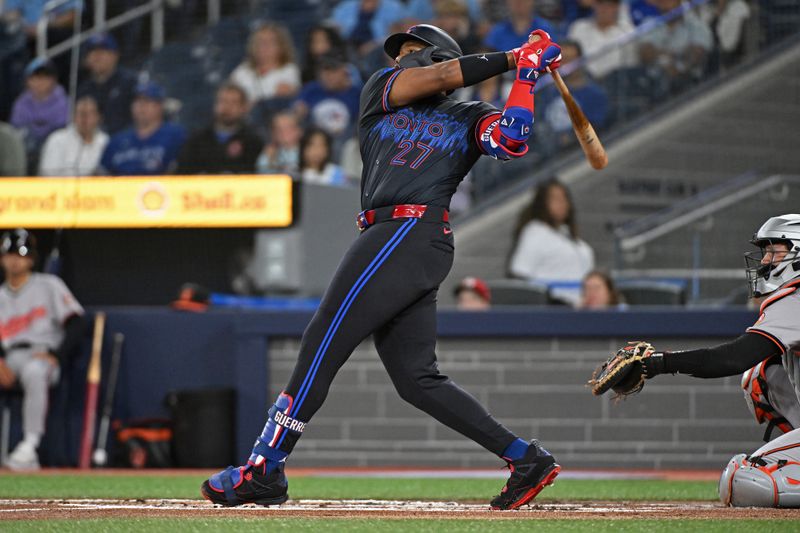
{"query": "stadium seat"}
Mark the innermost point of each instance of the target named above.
(518, 292)
(652, 292)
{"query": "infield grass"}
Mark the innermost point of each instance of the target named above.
(65, 485)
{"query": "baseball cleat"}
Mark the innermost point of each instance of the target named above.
(247, 484)
(23, 458)
(529, 476)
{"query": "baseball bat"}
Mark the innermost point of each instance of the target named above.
(100, 456)
(92, 389)
(590, 142)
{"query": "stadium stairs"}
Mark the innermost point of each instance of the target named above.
(743, 122)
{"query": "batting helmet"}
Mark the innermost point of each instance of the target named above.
(443, 46)
(766, 278)
(18, 241)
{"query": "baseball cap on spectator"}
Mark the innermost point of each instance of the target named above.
(476, 285)
(192, 297)
(41, 66)
(104, 41)
(151, 90)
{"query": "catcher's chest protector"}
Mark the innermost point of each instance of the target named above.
(764, 387)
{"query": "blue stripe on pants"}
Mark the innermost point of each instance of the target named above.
(342, 311)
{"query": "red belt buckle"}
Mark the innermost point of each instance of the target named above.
(409, 210)
(365, 219)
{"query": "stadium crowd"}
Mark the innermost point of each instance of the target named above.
(289, 102)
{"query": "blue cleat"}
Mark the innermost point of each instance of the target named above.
(247, 484)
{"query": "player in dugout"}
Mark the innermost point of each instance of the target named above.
(40, 325)
(417, 144)
(768, 354)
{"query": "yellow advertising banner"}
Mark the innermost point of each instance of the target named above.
(147, 202)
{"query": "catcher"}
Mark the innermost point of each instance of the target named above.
(768, 354)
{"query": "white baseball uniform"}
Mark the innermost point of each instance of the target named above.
(770, 476)
(32, 320)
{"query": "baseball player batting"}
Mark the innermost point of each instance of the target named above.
(40, 324)
(768, 354)
(417, 144)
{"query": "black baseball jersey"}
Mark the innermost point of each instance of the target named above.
(418, 153)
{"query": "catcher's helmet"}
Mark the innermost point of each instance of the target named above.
(764, 279)
(444, 46)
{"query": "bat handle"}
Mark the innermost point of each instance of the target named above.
(560, 85)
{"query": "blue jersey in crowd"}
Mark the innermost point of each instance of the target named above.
(129, 155)
(334, 112)
(502, 36)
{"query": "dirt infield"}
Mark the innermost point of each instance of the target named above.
(75, 509)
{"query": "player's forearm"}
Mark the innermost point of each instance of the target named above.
(414, 84)
(73, 334)
(729, 359)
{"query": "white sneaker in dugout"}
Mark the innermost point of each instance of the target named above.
(23, 457)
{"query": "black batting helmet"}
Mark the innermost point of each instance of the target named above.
(18, 241)
(445, 47)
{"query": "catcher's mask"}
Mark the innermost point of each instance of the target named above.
(440, 46)
(763, 279)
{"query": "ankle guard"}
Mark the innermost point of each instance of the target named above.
(280, 433)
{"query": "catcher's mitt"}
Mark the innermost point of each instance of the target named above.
(623, 372)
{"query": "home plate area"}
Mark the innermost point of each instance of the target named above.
(93, 508)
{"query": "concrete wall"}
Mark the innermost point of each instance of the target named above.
(536, 387)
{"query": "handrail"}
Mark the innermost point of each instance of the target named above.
(41, 25)
(632, 235)
(154, 8)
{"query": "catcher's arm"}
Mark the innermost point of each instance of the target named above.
(625, 371)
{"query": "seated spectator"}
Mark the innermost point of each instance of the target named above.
(60, 25)
(576, 9)
(12, 152)
(28, 13)
(600, 32)
(315, 160)
(323, 40)
(331, 102)
(546, 246)
(269, 71)
(727, 18)
(514, 30)
(553, 112)
(678, 50)
(599, 292)
(427, 9)
(641, 10)
(365, 23)
(76, 149)
(42, 108)
(150, 146)
(282, 153)
(42, 325)
(473, 294)
(453, 17)
(229, 145)
(110, 84)
(351, 162)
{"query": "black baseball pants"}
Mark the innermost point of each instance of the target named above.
(386, 285)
